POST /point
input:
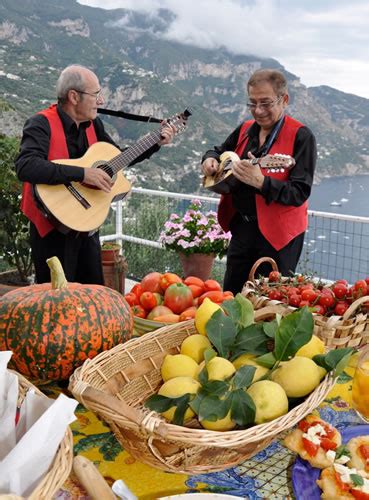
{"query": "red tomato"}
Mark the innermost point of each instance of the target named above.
(214, 295)
(293, 290)
(294, 300)
(319, 309)
(131, 298)
(309, 294)
(212, 286)
(137, 290)
(327, 444)
(339, 290)
(274, 276)
(341, 485)
(304, 303)
(341, 308)
(148, 301)
(303, 425)
(361, 287)
(178, 297)
(138, 311)
(310, 447)
(364, 451)
(326, 299)
(188, 313)
(196, 290)
(306, 286)
(344, 282)
(193, 280)
(151, 283)
(275, 295)
(168, 279)
(359, 495)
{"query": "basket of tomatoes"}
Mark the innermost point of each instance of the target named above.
(161, 299)
(340, 310)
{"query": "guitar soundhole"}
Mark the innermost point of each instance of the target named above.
(107, 168)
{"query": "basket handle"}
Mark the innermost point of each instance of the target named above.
(269, 311)
(271, 261)
(350, 311)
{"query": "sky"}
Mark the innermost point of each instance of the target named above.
(323, 43)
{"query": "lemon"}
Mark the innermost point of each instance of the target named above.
(220, 368)
(248, 360)
(299, 376)
(270, 400)
(195, 346)
(176, 387)
(313, 347)
(223, 424)
(203, 314)
(178, 365)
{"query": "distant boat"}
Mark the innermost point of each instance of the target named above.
(343, 200)
(335, 203)
(350, 188)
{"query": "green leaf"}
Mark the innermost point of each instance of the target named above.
(247, 311)
(270, 328)
(213, 408)
(215, 387)
(242, 408)
(357, 480)
(344, 378)
(221, 332)
(203, 376)
(209, 354)
(252, 340)
(336, 360)
(294, 331)
(182, 406)
(195, 403)
(341, 451)
(243, 377)
(267, 360)
(159, 403)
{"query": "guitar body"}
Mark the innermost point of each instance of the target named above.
(224, 182)
(65, 211)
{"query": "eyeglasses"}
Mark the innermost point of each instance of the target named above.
(96, 94)
(263, 105)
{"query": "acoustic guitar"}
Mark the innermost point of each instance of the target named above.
(224, 182)
(79, 207)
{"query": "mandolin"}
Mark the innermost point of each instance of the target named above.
(79, 207)
(224, 182)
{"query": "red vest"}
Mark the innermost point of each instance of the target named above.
(57, 150)
(278, 223)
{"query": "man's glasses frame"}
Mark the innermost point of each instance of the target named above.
(96, 94)
(264, 105)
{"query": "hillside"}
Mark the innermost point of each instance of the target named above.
(142, 73)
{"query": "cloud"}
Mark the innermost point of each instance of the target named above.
(324, 43)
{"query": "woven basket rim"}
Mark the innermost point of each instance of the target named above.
(61, 465)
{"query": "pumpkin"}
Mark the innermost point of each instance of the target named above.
(52, 328)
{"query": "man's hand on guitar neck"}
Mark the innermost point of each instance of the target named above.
(248, 173)
(210, 166)
(98, 178)
(167, 133)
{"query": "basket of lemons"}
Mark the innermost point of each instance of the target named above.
(206, 394)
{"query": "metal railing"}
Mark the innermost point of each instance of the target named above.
(336, 246)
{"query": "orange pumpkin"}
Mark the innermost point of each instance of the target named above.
(54, 327)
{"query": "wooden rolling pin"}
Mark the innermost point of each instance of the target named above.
(91, 479)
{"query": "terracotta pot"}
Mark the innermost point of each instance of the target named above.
(197, 264)
(110, 254)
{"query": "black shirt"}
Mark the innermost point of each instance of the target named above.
(294, 191)
(32, 164)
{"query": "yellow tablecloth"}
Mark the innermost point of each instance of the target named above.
(266, 475)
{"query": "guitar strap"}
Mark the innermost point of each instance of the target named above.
(129, 116)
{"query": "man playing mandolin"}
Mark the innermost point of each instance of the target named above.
(66, 131)
(266, 210)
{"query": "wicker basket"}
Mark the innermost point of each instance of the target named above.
(116, 383)
(62, 463)
(142, 326)
(349, 330)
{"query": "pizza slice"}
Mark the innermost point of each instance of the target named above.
(359, 451)
(339, 482)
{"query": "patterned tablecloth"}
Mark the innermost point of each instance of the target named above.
(266, 475)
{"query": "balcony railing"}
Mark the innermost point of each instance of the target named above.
(336, 246)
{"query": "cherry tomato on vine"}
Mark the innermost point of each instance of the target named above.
(131, 298)
(294, 300)
(148, 301)
(309, 294)
(361, 287)
(275, 295)
(327, 300)
(138, 311)
(339, 290)
(341, 307)
(274, 276)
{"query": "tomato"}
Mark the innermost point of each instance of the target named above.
(138, 311)
(344, 282)
(309, 294)
(341, 308)
(364, 451)
(339, 290)
(293, 290)
(137, 290)
(326, 299)
(148, 301)
(188, 313)
(341, 485)
(294, 300)
(359, 495)
(178, 297)
(212, 285)
(214, 295)
(319, 309)
(361, 287)
(131, 298)
(228, 295)
(304, 425)
(151, 283)
(327, 444)
(159, 311)
(193, 280)
(306, 286)
(274, 276)
(168, 279)
(300, 278)
(304, 303)
(196, 290)
(310, 447)
(275, 295)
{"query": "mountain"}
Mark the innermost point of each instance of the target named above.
(143, 73)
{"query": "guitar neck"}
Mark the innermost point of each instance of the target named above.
(130, 154)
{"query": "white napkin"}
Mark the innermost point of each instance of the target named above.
(8, 405)
(41, 428)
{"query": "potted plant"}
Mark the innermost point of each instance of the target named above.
(197, 237)
(110, 251)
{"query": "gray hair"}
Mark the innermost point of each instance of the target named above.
(70, 78)
(276, 79)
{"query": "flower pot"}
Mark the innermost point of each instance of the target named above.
(110, 254)
(197, 264)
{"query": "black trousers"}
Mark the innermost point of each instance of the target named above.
(247, 246)
(80, 256)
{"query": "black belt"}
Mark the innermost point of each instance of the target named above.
(249, 218)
